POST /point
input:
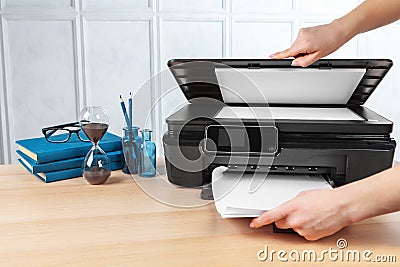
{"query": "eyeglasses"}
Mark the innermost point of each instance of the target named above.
(62, 133)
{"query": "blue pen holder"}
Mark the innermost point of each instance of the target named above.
(131, 146)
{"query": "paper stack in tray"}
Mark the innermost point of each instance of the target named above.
(58, 161)
(249, 195)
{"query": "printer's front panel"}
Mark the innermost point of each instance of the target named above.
(340, 158)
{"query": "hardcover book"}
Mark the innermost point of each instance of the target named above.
(34, 167)
(48, 177)
(42, 151)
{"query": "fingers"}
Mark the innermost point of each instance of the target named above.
(301, 59)
(282, 224)
(306, 60)
(283, 54)
(306, 49)
(268, 217)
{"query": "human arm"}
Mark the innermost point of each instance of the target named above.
(316, 42)
(318, 213)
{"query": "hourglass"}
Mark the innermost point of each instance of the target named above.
(97, 166)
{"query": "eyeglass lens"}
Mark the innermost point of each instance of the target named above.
(64, 134)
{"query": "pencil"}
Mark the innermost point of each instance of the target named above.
(130, 110)
(128, 123)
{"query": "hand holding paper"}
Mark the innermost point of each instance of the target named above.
(312, 214)
(318, 213)
(249, 195)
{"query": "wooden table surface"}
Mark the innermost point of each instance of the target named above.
(71, 223)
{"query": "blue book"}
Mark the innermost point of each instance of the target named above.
(33, 167)
(42, 151)
(48, 177)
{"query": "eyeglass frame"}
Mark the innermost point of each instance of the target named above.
(62, 127)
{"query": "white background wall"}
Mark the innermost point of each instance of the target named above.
(60, 55)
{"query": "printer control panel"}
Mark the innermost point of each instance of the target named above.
(234, 139)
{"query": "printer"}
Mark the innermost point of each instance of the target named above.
(268, 116)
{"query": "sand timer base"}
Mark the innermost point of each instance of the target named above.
(97, 166)
(96, 175)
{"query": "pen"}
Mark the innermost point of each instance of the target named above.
(128, 123)
(130, 110)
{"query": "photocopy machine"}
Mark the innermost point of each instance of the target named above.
(269, 116)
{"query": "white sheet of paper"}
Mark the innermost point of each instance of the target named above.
(249, 195)
(288, 113)
(288, 86)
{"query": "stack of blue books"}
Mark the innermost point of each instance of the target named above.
(59, 161)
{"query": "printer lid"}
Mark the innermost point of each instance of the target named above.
(347, 82)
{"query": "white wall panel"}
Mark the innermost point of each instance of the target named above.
(116, 4)
(259, 39)
(191, 5)
(41, 78)
(261, 6)
(191, 39)
(117, 62)
(38, 3)
(4, 129)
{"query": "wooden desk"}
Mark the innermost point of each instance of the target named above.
(73, 223)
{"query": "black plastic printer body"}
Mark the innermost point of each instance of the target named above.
(266, 115)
